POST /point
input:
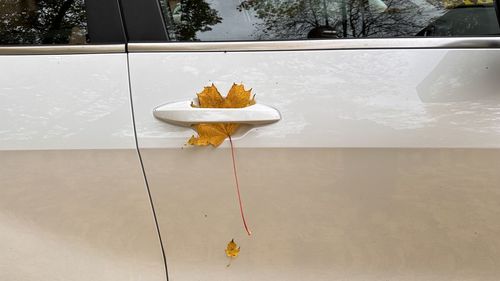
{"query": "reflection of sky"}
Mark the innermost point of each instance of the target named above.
(235, 25)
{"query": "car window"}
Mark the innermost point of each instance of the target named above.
(43, 22)
(464, 21)
(229, 20)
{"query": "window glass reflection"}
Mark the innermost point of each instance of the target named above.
(227, 20)
(42, 22)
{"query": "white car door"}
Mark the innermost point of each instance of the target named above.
(384, 165)
(73, 201)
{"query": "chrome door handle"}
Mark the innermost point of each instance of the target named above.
(183, 114)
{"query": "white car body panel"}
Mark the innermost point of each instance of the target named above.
(336, 98)
(370, 149)
(65, 102)
(329, 213)
(73, 201)
(384, 165)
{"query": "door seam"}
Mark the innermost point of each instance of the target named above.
(144, 171)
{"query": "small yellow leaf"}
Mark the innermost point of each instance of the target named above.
(232, 249)
(215, 133)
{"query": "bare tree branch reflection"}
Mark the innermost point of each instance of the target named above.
(294, 19)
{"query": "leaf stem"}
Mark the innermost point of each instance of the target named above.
(238, 188)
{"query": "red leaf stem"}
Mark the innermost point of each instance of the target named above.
(238, 189)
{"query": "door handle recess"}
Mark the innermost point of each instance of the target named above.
(183, 114)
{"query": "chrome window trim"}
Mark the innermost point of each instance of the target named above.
(241, 46)
(62, 49)
(336, 44)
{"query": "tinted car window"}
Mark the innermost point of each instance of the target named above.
(465, 21)
(43, 22)
(227, 20)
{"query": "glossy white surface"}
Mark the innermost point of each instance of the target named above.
(183, 114)
(338, 98)
(65, 102)
(76, 215)
(323, 214)
(68, 212)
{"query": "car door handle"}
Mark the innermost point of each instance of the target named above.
(184, 114)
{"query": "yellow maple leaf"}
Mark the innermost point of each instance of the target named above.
(232, 249)
(215, 133)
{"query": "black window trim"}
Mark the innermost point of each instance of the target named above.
(105, 22)
(143, 20)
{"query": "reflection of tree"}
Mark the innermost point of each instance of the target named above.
(292, 19)
(42, 22)
(194, 16)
